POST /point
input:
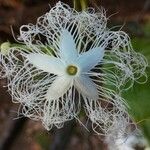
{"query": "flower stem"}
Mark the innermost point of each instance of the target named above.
(4, 47)
(84, 4)
(80, 5)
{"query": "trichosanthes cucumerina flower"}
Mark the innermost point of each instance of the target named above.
(69, 61)
(70, 67)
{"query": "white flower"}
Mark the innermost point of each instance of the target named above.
(72, 61)
(70, 67)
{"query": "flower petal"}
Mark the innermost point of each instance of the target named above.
(91, 58)
(86, 87)
(67, 47)
(47, 63)
(59, 87)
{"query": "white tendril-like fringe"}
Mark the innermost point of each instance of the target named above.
(118, 70)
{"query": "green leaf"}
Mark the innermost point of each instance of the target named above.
(138, 98)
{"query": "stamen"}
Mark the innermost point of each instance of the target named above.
(72, 70)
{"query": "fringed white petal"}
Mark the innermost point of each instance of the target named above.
(47, 63)
(58, 111)
(59, 87)
(67, 47)
(86, 87)
(108, 117)
(91, 58)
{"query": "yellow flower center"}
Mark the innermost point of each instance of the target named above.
(72, 70)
